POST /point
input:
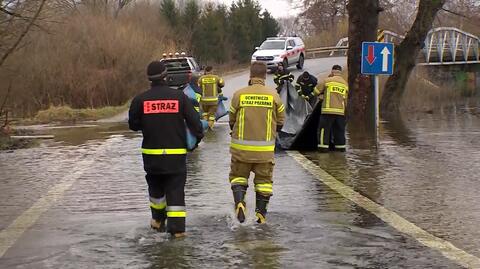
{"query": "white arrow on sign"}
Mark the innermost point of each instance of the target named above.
(385, 52)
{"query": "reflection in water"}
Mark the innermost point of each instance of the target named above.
(79, 136)
(258, 247)
(168, 253)
(395, 127)
(430, 180)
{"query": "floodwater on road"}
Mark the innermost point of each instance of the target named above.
(425, 169)
(429, 176)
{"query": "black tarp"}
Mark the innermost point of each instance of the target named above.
(301, 123)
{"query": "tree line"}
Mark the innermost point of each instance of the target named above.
(217, 33)
(93, 53)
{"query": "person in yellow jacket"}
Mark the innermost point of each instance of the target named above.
(211, 86)
(256, 114)
(334, 93)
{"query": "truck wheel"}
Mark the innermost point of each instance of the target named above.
(285, 64)
(300, 63)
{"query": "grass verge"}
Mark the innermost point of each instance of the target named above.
(8, 143)
(68, 114)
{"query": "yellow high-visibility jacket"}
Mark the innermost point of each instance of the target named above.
(335, 94)
(211, 87)
(255, 113)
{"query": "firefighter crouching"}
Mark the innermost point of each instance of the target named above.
(334, 92)
(256, 114)
(306, 87)
(211, 86)
(281, 77)
(161, 114)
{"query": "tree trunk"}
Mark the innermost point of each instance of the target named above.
(362, 26)
(406, 56)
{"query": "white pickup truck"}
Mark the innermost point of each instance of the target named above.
(285, 50)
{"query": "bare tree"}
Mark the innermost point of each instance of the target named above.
(107, 7)
(120, 5)
(323, 14)
(406, 56)
(18, 17)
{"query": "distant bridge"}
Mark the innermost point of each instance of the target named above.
(443, 46)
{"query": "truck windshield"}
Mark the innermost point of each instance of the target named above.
(177, 65)
(273, 45)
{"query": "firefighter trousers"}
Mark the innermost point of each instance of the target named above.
(167, 200)
(209, 110)
(240, 172)
(331, 125)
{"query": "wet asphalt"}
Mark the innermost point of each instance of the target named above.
(426, 170)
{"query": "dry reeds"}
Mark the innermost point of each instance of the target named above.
(88, 60)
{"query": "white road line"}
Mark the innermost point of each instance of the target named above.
(15, 230)
(393, 219)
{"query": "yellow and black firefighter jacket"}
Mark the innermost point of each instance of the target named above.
(307, 89)
(280, 77)
(161, 114)
(334, 92)
(256, 113)
(211, 86)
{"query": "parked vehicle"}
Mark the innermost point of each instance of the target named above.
(181, 70)
(285, 50)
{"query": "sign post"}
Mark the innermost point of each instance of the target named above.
(377, 59)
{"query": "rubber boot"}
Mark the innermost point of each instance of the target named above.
(211, 123)
(157, 225)
(178, 235)
(261, 208)
(238, 198)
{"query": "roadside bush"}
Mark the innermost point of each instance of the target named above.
(90, 60)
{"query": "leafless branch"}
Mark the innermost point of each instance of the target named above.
(23, 33)
(455, 13)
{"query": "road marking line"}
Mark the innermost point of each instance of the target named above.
(393, 219)
(10, 235)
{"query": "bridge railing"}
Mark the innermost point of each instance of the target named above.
(449, 45)
(341, 47)
(443, 46)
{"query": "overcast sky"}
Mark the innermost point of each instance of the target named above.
(278, 8)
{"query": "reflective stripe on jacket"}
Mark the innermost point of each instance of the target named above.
(255, 113)
(211, 87)
(279, 78)
(335, 95)
(161, 114)
(307, 88)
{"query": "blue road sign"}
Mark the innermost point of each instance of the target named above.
(377, 58)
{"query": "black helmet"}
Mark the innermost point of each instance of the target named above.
(305, 75)
(156, 71)
(337, 67)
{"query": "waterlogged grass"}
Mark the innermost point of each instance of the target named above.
(68, 114)
(424, 94)
(8, 143)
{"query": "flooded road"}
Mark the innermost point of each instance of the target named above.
(425, 170)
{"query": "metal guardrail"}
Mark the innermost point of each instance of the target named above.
(313, 53)
(443, 46)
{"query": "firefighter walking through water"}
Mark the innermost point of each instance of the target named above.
(161, 114)
(334, 93)
(256, 114)
(211, 86)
